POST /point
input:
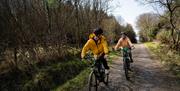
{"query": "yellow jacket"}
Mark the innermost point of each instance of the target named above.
(97, 49)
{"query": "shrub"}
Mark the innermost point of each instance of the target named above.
(163, 36)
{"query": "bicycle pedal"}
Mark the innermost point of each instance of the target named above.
(130, 70)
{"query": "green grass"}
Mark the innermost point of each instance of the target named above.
(113, 55)
(41, 77)
(76, 83)
(169, 58)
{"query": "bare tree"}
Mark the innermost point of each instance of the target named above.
(171, 7)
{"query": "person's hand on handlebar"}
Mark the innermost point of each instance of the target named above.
(95, 57)
(132, 47)
(87, 60)
(82, 58)
(105, 56)
(121, 47)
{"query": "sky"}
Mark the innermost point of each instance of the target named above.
(129, 10)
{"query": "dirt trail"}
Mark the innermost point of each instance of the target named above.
(147, 75)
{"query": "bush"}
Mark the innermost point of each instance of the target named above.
(164, 36)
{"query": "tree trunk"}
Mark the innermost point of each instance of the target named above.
(15, 56)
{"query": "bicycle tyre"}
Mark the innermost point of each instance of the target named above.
(92, 83)
(106, 79)
(125, 65)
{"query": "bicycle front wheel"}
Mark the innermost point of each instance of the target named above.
(92, 82)
(125, 65)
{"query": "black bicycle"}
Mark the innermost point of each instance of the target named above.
(126, 61)
(97, 75)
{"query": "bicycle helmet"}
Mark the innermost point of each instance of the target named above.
(123, 33)
(98, 31)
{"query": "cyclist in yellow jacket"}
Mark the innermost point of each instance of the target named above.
(98, 45)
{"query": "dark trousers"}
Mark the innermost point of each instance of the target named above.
(130, 55)
(104, 61)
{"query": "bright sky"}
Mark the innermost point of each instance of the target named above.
(129, 10)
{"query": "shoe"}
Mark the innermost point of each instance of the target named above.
(107, 71)
(130, 69)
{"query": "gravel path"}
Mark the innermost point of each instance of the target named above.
(147, 75)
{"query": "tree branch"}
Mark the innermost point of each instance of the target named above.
(173, 9)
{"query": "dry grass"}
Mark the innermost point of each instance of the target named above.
(168, 57)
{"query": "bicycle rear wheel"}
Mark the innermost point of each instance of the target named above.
(106, 79)
(92, 82)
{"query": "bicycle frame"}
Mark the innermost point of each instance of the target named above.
(97, 68)
(98, 72)
(126, 52)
